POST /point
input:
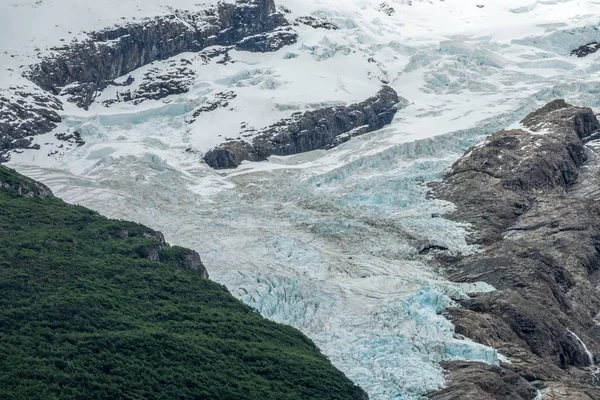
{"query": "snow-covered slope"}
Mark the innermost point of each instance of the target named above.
(332, 242)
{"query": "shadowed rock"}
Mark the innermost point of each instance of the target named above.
(586, 49)
(319, 129)
(531, 199)
(92, 65)
(476, 381)
(25, 112)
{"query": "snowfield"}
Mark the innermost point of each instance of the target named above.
(331, 242)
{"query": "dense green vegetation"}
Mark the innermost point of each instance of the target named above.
(85, 314)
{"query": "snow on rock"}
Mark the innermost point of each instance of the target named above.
(83, 68)
(320, 129)
(25, 112)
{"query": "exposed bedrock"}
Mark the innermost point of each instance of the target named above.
(532, 199)
(319, 129)
(90, 66)
(586, 49)
(24, 113)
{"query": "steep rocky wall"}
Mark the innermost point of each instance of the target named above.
(319, 129)
(82, 69)
(530, 197)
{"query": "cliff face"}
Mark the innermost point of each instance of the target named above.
(99, 308)
(319, 129)
(90, 66)
(530, 196)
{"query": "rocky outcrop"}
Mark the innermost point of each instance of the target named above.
(475, 381)
(11, 181)
(316, 23)
(176, 78)
(586, 49)
(24, 113)
(82, 69)
(531, 199)
(268, 42)
(319, 129)
(186, 257)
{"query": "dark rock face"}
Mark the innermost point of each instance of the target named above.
(157, 84)
(531, 199)
(92, 65)
(586, 49)
(316, 23)
(472, 381)
(268, 42)
(319, 129)
(25, 112)
(511, 166)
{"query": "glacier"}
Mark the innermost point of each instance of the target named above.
(330, 242)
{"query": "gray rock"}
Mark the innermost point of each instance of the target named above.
(268, 42)
(192, 260)
(586, 49)
(11, 181)
(24, 113)
(531, 199)
(157, 84)
(319, 129)
(474, 381)
(92, 65)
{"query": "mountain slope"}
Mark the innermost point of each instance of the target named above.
(97, 308)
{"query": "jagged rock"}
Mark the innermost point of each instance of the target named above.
(586, 49)
(319, 129)
(192, 260)
(221, 100)
(24, 113)
(176, 78)
(476, 381)
(90, 66)
(230, 154)
(512, 165)
(74, 138)
(267, 42)
(316, 23)
(387, 9)
(531, 204)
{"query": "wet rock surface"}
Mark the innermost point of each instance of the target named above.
(24, 113)
(319, 129)
(82, 69)
(532, 199)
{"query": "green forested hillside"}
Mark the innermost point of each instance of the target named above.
(88, 312)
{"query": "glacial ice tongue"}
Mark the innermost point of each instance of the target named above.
(329, 246)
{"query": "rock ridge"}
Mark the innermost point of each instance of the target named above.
(530, 198)
(319, 129)
(84, 68)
